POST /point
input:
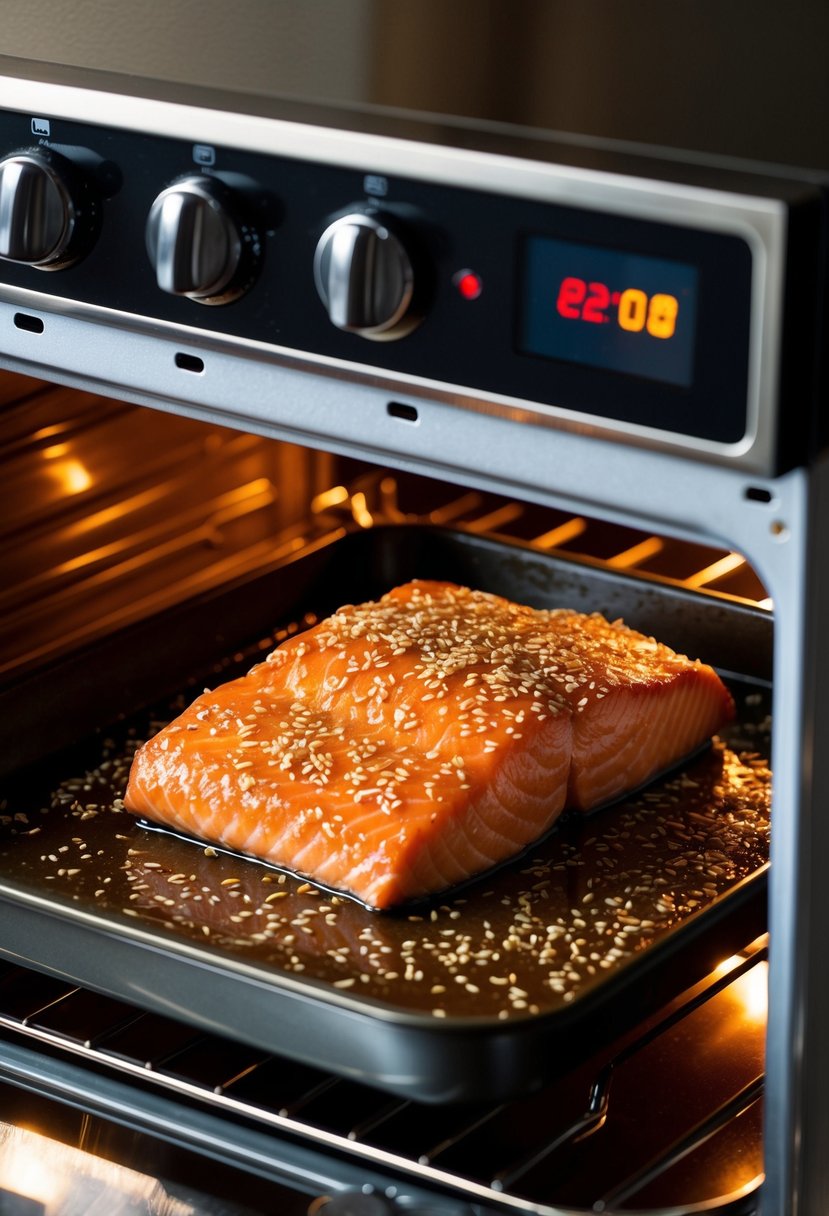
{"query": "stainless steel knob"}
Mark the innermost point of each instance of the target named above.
(364, 277)
(197, 244)
(44, 211)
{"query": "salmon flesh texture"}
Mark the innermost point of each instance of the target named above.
(400, 747)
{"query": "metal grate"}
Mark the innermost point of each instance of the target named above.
(572, 1144)
(380, 497)
(112, 514)
(579, 1143)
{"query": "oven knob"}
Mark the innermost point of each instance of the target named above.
(49, 211)
(364, 277)
(199, 244)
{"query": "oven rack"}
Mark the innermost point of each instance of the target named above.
(114, 514)
(378, 497)
(504, 1156)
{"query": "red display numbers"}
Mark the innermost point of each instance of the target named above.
(571, 297)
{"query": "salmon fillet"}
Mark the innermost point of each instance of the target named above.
(400, 747)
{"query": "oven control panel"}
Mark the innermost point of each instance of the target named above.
(631, 310)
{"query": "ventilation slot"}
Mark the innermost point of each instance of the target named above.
(189, 363)
(32, 325)
(407, 413)
(758, 494)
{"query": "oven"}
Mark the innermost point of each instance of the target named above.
(263, 356)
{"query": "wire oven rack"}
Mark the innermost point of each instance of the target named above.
(113, 513)
(569, 1146)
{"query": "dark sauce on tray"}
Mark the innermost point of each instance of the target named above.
(533, 937)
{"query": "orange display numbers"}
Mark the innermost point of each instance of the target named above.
(633, 309)
(662, 312)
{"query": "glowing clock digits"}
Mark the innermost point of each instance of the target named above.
(633, 309)
(581, 301)
(662, 312)
(571, 297)
(610, 309)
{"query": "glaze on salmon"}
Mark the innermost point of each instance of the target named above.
(400, 747)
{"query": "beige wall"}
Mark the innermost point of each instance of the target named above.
(748, 77)
(267, 46)
(742, 77)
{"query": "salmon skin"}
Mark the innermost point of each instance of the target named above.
(400, 747)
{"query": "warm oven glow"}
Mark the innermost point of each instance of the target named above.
(63, 1179)
(25, 1169)
(749, 993)
(71, 474)
(752, 991)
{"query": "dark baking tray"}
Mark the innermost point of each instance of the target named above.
(483, 995)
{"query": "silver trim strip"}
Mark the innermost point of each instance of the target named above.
(278, 397)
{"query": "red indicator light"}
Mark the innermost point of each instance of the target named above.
(468, 284)
(614, 299)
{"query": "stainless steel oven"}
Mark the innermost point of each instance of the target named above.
(268, 353)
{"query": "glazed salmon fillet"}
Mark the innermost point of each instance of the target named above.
(400, 747)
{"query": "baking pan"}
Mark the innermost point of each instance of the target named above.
(483, 994)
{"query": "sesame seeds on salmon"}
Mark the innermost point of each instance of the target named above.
(402, 746)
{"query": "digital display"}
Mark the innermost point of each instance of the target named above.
(609, 309)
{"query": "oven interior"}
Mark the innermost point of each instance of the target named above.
(131, 530)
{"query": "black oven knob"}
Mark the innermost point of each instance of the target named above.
(199, 244)
(364, 276)
(49, 210)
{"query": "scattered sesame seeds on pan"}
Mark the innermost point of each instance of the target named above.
(527, 940)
